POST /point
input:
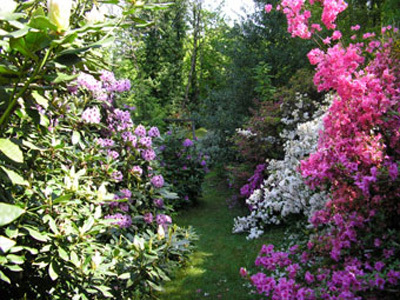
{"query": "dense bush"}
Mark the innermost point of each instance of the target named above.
(81, 193)
(184, 166)
(283, 193)
(352, 246)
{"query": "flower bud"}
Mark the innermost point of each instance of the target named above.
(59, 13)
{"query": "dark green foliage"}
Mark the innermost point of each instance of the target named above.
(184, 166)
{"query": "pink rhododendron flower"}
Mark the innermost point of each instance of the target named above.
(268, 8)
(336, 35)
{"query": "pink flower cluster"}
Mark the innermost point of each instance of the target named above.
(298, 16)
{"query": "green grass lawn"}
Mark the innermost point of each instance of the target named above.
(213, 270)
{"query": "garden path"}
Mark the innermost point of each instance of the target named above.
(213, 270)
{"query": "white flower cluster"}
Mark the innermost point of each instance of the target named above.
(245, 132)
(284, 192)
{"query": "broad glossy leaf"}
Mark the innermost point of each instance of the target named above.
(52, 224)
(52, 272)
(61, 77)
(14, 177)
(8, 70)
(9, 213)
(19, 44)
(16, 259)
(37, 235)
(105, 291)
(6, 244)
(42, 22)
(40, 99)
(124, 276)
(4, 277)
(76, 137)
(14, 268)
(87, 225)
(11, 150)
(63, 254)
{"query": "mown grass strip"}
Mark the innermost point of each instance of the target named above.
(213, 270)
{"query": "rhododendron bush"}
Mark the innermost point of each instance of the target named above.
(353, 247)
(82, 212)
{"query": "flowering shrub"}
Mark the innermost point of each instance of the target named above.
(354, 245)
(184, 166)
(284, 193)
(82, 213)
(262, 139)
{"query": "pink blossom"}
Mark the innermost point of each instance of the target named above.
(336, 35)
(268, 8)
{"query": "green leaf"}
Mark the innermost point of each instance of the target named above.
(42, 22)
(63, 254)
(4, 277)
(8, 70)
(63, 198)
(76, 137)
(18, 260)
(52, 224)
(15, 177)
(11, 16)
(53, 274)
(42, 101)
(125, 276)
(20, 45)
(105, 290)
(6, 244)
(61, 77)
(75, 259)
(9, 213)
(11, 150)
(32, 146)
(154, 286)
(37, 235)
(87, 225)
(17, 34)
(14, 268)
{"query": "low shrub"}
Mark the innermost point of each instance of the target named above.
(184, 167)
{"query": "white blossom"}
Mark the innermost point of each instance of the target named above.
(284, 192)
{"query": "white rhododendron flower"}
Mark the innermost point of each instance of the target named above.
(60, 13)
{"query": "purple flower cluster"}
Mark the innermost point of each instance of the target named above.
(105, 142)
(148, 154)
(113, 85)
(157, 181)
(187, 143)
(117, 176)
(146, 142)
(91, 115)
(137, 170)
(154, 132)
(159, 203)
(140, 131)
(148, 218)
(255, 181)
(119, 120)
(163, 220)
(89, 82)
(123, 221)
